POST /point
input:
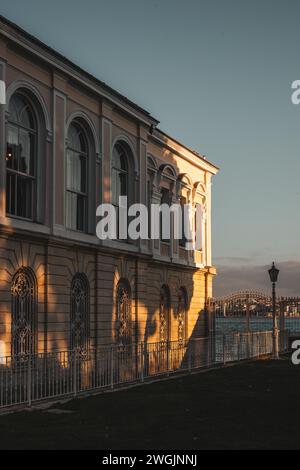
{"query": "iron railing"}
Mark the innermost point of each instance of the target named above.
(35, 377)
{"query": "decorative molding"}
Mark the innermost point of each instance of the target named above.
(83, 81)
(81, 115)
(24, 84)
(125, 138)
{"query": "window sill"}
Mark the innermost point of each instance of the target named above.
(75, 235)
(23, 224)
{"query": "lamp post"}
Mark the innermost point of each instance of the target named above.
(273, 273)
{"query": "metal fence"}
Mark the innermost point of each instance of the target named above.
(31, 378)
(251, 310)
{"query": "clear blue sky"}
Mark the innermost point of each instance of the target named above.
(217, 74)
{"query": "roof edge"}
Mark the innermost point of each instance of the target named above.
(30, 37)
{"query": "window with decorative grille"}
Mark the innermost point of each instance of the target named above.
(24, 312)
(182, 315)
(164, 314)
(80, 313)
(123, 317)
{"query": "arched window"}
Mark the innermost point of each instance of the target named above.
(123, 314)
(21, 158)
(167, 181)
(182, 315)
(151, 175)
(164, 314)
(183, 202)
(200, 205)
(165, 199)
(77, 176)
(122, 181)
(119, 179)
(24, 312)
(80, 304)
(119, 173)
(184, 187)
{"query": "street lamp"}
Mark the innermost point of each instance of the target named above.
(273, 273)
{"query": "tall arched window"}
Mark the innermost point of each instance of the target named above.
(164, 314)
(21, 156)
(165, 199)
(77, 175)
(151, 175)
(184, 188)
(80, 305)
(182, 315)
(123, 314)
(167, 182)
(119, 173)
(122, 181)
(23, 312)
(119, 179)
(182, 240)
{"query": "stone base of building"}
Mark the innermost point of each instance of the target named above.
(54, 264)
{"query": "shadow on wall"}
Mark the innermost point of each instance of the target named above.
(162, 311)
(162, 176)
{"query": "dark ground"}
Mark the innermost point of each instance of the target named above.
(252, 405)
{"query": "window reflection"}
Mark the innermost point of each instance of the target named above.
(20, 158)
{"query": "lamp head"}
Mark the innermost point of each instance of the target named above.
(273, 273)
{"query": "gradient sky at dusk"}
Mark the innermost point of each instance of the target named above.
(218, 75)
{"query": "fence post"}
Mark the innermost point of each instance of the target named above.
(259, 338)
(282, 316)
(249, 355)
(75, 373)
(224, 349)
(112, 367)
(168, 357)
(142, 352)
(146, 359)
(29, 380)
(248, 312)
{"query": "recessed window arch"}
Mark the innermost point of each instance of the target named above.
(123, 313)
(182, 309)
(122, 174)
(78, 154)
(80, 313)
(164, 314)
(200, 204)
(22, 166)
(151, 176)
(167, 180)
(184, 185)
(23, 312)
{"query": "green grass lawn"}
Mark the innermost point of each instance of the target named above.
(252, 405)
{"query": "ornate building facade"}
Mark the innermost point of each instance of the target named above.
(69, 142)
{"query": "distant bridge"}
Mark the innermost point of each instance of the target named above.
(255, 303)
(243, 296)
